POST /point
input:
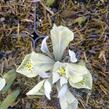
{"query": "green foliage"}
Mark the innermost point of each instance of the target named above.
(9, 77)
(7, 81)
(9, 99)
(50, 2)
(80, 20)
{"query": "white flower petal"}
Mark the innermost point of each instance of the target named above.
(60, 37)
(63, 81)
(44, 75)
(68, 101)
(62, 91)
(85, 83)
(2, 83)
(36, 90)
(82, 77)
(63, 103)
(76, 69)
(44, 47)
(47, 89)
(72, 56)
(26, 67)
(75, 78)
(34, 63)
(55, 77)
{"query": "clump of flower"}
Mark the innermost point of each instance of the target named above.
(55, 71)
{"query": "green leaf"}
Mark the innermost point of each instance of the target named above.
(2, 83)
(10, 76)
(79, 76)
(9, 100)
(61, 37)
(50, 2)
(80, 20)
(38, 89)
(68, 101)
(35, 63)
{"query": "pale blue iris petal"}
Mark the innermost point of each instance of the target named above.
(72, 56)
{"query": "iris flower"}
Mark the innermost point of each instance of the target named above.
(52, 68)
